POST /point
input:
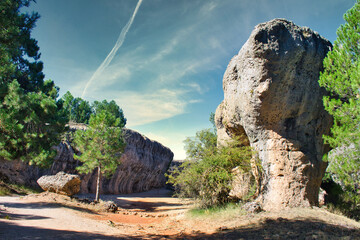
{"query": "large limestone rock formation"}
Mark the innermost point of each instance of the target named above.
(142, 167)
(272, 95)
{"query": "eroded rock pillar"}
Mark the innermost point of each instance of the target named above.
(271, 91)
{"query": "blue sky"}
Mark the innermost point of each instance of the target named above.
(167, 74)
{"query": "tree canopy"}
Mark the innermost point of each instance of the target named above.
(341, 78)
(112, 108)
(31, 119)
(80, 110)
(19, 52)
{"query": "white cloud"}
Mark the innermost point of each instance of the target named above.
(157, 78)
(142, 108)
(113, 51)
(208, 7)
(172, 140)
(193, 86)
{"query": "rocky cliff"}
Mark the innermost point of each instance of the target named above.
(272, 95)
(142, 167)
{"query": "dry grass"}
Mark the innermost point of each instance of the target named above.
(7, 189)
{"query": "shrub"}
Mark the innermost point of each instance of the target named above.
(207, 178)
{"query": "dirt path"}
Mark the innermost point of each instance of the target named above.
(21, 219)
(155, 215)
(50, 216)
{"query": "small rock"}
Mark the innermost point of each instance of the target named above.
(223, 228)
(322, 197)
(252, 207)
(110, 206)
(111, 223)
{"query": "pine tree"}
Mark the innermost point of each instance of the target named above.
(19, 53)
(31, 120)
(110, 107)
(30, 124)
(341, 77)
(101, 146)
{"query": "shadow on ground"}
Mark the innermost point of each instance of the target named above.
(277, 229)
(148, 206)
(269, 229)
(9, 231)
(41, 205)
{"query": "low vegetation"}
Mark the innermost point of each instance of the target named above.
(14, 188)
(206, 175)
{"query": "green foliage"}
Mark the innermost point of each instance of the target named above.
(339, 200)
(226, 211)
(101, 145)
(79, 110)
(212, 121)
(30, 124)
(19, 57)
(206, 175)
(13, 188)
(4, 191)
(31, 119)
(203, 144)
(112, 108)
(341, 77)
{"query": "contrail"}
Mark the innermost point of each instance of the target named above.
(113, 51)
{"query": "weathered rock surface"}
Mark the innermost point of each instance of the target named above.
(142, 167)
(272, 95)
(241, 184)
(62, 183)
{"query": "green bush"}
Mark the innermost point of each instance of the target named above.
(207, 177)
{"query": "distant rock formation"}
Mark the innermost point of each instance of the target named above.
(62, 183)
(272, 95)
(142, 167)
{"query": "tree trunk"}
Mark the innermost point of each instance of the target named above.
(98, 184)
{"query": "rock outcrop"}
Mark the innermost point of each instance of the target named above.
(272, 95)
(143, 165)
(61, 183)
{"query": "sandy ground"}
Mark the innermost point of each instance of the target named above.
(156, 215)
(22, 219)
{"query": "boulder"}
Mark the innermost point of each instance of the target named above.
(272, 96)
(61, 183)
